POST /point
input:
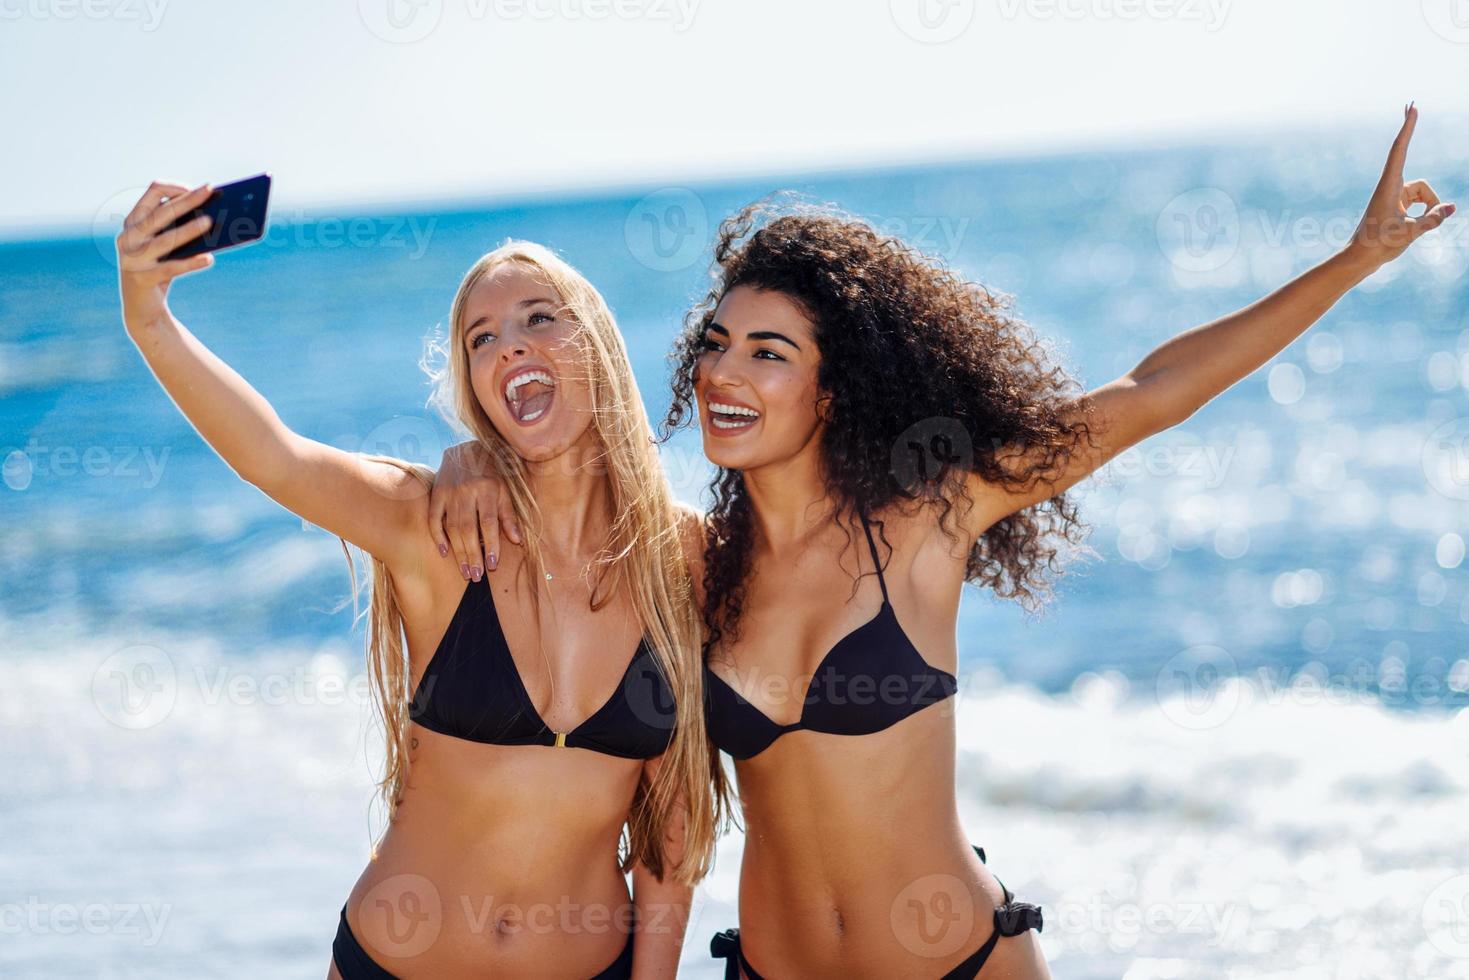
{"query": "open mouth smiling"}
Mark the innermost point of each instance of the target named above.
(529, 393)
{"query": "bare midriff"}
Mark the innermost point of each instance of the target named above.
(501, 860)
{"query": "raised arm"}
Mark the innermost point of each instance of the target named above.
(1189, 370)
(375, 505)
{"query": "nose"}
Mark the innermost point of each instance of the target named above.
(513, 348)
(719, 370)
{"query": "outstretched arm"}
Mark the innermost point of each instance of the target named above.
(1189, 370)
(372, 504)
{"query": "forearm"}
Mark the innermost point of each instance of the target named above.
(1194, 367)
(230, 415)
(663, 918)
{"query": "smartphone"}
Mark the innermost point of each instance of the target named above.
(238, 210)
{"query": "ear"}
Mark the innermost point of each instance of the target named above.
(824, 410)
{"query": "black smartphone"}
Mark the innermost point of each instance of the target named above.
(238, 210)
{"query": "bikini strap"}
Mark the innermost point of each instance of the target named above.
(877, 564)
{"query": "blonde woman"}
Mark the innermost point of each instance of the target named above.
(537, 712)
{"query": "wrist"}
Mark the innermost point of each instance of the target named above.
(143, 323)
(1355, 261)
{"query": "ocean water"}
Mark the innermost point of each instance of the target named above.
(1234, 745)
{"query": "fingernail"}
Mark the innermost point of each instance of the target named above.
(494, 561)
(443, 550)
(464, 569)
(475, 572)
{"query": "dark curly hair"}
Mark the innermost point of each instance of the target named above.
(913, 358)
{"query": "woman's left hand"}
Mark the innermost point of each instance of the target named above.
(1386, 229)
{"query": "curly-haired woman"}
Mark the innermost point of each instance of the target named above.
(826, 354)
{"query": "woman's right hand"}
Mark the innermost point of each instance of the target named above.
(468, 509)
(143, 274)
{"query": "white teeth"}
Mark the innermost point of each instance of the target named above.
(723, 409)
(534, 415)
(520, 379)
(720, 423)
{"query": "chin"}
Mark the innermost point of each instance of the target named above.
(719, 452)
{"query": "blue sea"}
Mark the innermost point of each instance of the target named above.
(1234, 744)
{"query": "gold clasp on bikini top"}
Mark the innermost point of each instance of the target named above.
(560, 739)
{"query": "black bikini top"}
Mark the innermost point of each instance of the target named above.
(872, 679)
(472, 690)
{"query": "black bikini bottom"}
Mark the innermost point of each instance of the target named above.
(1011, 919)
(353, 963)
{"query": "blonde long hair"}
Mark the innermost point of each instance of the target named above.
(643, 551)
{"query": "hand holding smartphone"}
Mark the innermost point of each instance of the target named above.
(237, 215)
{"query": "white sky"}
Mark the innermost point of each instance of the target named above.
(513, 96)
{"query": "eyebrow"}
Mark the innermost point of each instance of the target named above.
(757, 335)
(533, 301)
